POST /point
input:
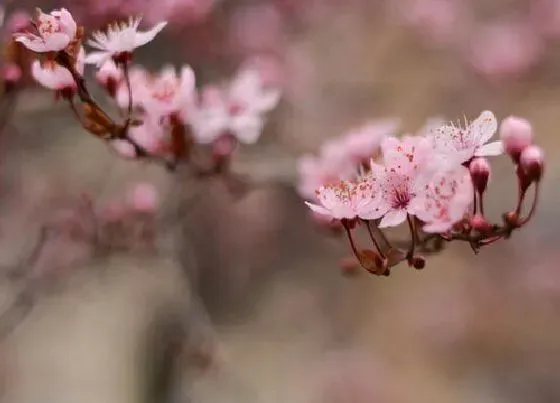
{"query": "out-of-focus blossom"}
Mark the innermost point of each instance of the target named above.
(18, 21)
(124, 148)
(55, 77)
(504, 50)
(11, 73)
(315, 172)
(139, 79)
(149, 135)
(545, 17)
(238, 109)
(109, 76)
(440, 21)
(257, 28)
(348, 200)
(144, 198)
(444, 200)
(463, 143)
(120, 41)
(55, 31)
(169, 93)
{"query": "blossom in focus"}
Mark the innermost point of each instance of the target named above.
(169, 93)
(317, 171)
(238, 109)
(120, 41)
(55, 77)
(348, 199)
(404, 172)
(55, 31)
(463, 143)
(444, 200)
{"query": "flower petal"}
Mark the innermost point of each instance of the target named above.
(490, 150)
(393, 218)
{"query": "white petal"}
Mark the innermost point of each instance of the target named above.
(484, 127)
(490, 150)
(97, 58)
(143, 38)
(318, 209)
(393, 218)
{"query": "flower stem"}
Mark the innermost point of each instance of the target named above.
(373, 239)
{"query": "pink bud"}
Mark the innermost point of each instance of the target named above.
(144, 198)
(479, 223)
(480, 173)
(532, 162)
(516, 134)
(124, 148)
(224, 146)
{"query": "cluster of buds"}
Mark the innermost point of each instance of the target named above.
(163, 115)
(435, 182)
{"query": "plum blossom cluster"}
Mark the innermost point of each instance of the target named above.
(434, 181)
(163, 115)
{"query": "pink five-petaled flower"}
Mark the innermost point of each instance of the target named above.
(169, 93)
(408, 164)
(317, 171)
(444, 200)
(120, 41)
(348, 199)
(55, 31)
(55, 77)
(236, 110)
(463, 143)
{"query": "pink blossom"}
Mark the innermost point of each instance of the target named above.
(144, 198)
(109, 72)
(169, 93)
(315, 172)
(348, 199)
(124, 148)
(238, 109)
(55, 31)
(444, 200)
(505, 49)
(361, 144)
(532, 162)
(55, 77)
(516, 134)
(404, 172)
(11, 73)
(149, 135)
(120, 40)
(18, 21)
(461, 144)
(139, 81)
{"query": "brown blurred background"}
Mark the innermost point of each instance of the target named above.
(288, 326)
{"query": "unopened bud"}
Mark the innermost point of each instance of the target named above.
(479, 223)
(418, 262)
(480, 173)
(531, 162)
(516, 134)
(11, 75)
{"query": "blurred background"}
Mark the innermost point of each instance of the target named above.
(257, 284)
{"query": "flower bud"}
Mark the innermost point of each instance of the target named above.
(144, 198)
(480, 173)
(479, 223)
(531, 162)
(418, 262)
(516, 134)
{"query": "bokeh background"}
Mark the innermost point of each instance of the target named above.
(257, 283)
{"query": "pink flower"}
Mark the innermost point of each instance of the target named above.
(139, 80)
(124, 148)
(405, 171)
(171, 94)
(461, 144)
(505, 49)
(149, 135)
(120, 40)
(144, 198)
(55, 31)
(516, 134)
(361, 144)
(348, 199)
(444, 200)
(55, 77)
(315, 172)
(238, 110)
(109, 72)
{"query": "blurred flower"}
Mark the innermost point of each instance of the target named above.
(144, 198)
(55, 31)
(238, 109)
(120, 41)
(55, 77)
(504, 49)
